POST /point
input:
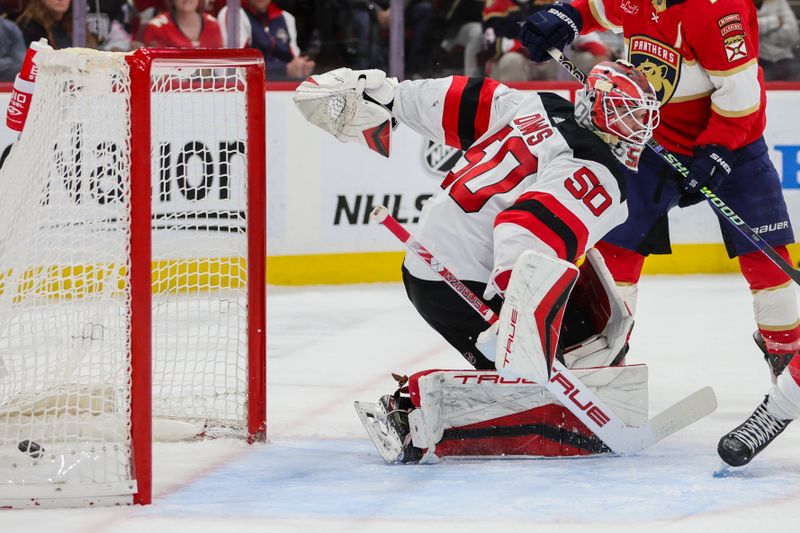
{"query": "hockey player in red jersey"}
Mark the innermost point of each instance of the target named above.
(702, 58)
(537, 175)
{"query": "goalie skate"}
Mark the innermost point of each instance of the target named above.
(387, 427)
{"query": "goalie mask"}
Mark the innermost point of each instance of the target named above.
(620, 104)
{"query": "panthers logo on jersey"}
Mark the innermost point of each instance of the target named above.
(659, 62)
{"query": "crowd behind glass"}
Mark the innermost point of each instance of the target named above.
(300, 37)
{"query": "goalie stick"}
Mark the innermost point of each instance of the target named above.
(716, 202)
(562, 383)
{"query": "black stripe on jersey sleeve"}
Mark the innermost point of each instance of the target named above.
(584, 143)
(549, 219)
(467, 109)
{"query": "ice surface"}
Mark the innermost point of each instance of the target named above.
(332, 345)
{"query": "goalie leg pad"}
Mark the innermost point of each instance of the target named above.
(547, 431)
(530, 320)
(351, 105)
(596, 325)
(597, 297)
(474, 413)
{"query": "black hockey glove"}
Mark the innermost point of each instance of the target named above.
(554, 27)
(711, 164)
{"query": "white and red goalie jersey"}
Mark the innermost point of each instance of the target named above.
(531, 178)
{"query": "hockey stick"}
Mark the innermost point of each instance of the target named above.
(381, 214)
(563, 384)
(716, 202)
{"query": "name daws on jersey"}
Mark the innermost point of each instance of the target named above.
(766, 228)
(534, 128)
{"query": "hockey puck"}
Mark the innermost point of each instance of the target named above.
(31, 448)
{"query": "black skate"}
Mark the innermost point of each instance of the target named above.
(738, 447)
(776, 361)
(387, 425)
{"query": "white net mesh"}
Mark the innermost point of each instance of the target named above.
(64, 258)
(200, 245)
(65, 395)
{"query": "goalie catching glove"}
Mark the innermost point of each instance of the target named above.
(351, 105)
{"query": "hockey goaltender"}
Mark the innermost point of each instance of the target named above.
(541, 181)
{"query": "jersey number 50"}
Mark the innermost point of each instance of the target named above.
(584, 185)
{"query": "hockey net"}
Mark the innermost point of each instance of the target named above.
(114, 300)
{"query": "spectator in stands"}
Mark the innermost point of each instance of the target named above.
(417, 19)
(262, 25)
(143, 12)
(460, 24)
(586, 51)
(185, 25)
(336, 33)
(779, 37)
(12, 9)
(12, 49)
(613, 42)
(106, 19)
(360, 42)
(48, 19)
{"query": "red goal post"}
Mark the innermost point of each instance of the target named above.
(141, 63)
(132, 269)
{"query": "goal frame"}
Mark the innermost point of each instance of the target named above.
(140, 64)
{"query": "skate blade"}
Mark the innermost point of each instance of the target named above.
(724, 470)
(385, 439)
